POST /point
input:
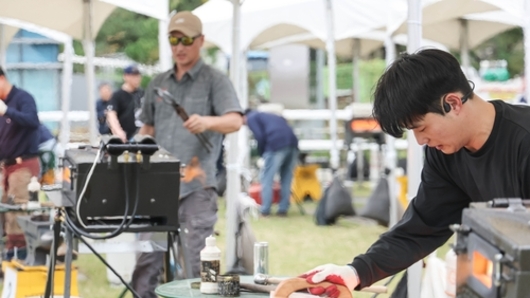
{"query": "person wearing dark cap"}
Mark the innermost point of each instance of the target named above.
(125, 105)
(19, 150)
(214, 110)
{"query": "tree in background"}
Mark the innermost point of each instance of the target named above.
(134, 34)
(505, 46)
(137, 37)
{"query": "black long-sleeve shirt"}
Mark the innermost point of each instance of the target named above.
(19, 126)
(500, 169)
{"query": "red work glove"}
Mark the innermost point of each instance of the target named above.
(339, 275)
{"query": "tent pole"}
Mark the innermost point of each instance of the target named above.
(464, 46)
(66, 88)
(356, 76)
(415, 152)
(320, 56)
(164, 54)
(332, 102)
(244, 156)
(233, 184)
(90, 76)
(390, 149)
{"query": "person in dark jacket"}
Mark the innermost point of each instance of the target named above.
(278, 146)
(105, 94)
(19, 156)
(475, 151)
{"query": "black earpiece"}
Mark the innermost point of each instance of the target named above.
(447, 107)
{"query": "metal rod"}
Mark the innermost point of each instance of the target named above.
(169, 99)
(68, 262)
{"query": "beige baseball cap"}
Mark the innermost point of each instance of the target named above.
(185, 22)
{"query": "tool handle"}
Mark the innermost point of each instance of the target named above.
(274, 280)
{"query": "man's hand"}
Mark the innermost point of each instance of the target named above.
(340, 275)
(122, 135)
(3, 107)
(196, 124)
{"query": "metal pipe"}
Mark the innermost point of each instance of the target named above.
(332, 77)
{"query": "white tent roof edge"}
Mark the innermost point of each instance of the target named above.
(52, 34)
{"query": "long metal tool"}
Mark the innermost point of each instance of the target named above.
(170, 99)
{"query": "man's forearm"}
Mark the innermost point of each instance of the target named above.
(114, 123)
(226, 123)
(147, 130)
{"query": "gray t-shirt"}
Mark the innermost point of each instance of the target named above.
(204, 91)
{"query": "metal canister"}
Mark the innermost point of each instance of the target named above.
(228, 285)
(261, 258)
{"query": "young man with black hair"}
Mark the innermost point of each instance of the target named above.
(19, 156)
(475, 151)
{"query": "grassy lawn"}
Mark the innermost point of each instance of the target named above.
(296, 244)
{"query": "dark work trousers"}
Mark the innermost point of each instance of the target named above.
(197, 216)
(15, 182)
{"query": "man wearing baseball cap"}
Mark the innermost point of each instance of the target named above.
(124, 105)
(213, 108)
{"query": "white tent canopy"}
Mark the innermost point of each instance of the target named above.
(480, 26)
(7, 34)
(370, 41)
(264, 21)
(67, 16)
(436, 11)
(68, 19)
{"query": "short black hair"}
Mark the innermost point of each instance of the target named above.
(413, 86)
(2, 73)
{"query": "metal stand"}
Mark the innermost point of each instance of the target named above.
(69, 235)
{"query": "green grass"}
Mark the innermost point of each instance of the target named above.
(296, 244)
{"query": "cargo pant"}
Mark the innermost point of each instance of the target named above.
(197, 216)
(15, 182)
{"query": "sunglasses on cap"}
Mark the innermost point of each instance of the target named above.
(186, 40)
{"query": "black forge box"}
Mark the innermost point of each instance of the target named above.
(493, 248)
(143, 189)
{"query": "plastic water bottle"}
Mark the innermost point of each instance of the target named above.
(450, 266)
(210, 266)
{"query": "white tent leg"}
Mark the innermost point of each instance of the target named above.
(464, 46)
(320, 103)
(390, 149)
(356, 76)
(164, 53)
(88, 46)
(233, 184)
(415, 153)
(244, 156)
(330, 48)
(66, 89)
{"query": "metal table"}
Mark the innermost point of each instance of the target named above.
(182, 289)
